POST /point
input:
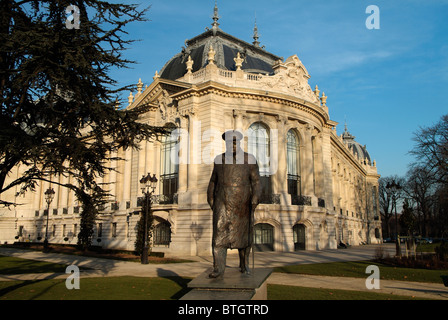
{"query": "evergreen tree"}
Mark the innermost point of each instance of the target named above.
(407, 219)
(89, 210)
(140, 240)
(58, 102)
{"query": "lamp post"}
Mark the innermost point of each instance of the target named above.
(49, 196)
(395, 188)
(148, 185)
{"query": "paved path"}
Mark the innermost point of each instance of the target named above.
(108, 267)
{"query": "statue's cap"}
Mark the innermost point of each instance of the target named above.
(232, 135)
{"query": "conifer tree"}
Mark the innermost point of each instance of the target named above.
(58, 101)
(140, 239)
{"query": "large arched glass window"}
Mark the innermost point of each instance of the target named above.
(169, 174)
(258, 145)
(293, 162)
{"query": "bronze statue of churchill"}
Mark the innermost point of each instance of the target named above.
(233, 194)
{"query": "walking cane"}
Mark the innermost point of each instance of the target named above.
(252, 215)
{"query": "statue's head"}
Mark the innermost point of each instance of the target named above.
(232, 139)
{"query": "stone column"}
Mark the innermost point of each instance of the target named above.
(127, 177)
(318, 166)
(183, 167)
(239, 116)
(194, 159)
(37, 197)
(307, 168)
(330, 182)
(113, 177)
(280, 177)
(154, 155)
(141, 165)
(64, 193)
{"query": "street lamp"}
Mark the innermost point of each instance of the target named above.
(49, 196)
(395, 188)
(148, 185)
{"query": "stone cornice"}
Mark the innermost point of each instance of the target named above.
(350, 156)
(212, 87)
(152, 93)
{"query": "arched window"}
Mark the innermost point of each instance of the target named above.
(293, 163)
(377, 233)
(264, 237)
(299, 236)
(169, 174)
(162, 233)
(258, 145)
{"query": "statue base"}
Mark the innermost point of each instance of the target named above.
(234, 285)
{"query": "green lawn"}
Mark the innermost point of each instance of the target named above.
(281, 292)
(104, 288)
(12, 265)
(427, 247)
(172, 288)
(358, 269)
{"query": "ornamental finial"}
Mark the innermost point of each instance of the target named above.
(317, 92)
(211, 55)
(139, 86)
(215, 23)
(238, 61)
(256, 36)
(324, 99)
(189, 64)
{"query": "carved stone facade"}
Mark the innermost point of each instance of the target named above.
(319, 188)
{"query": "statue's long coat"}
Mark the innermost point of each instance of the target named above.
(233, 193)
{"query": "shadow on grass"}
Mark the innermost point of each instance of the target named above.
(15, 265)
(180, 281)
(28, 283)
(23, 284)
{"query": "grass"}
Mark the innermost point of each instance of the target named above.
(426, 247)
(357, 269)
(282, 292)
(103, 288)
(172, 288)
(13, 265)
(96, 253)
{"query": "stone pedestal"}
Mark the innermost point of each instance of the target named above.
(232, 286)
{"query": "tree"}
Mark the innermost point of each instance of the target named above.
(441, 212)
(386, 201)
(140, 239)
(58, 103)
(430, 173)
(407, 219)
(431, 149)
(420, 188)
(89, 210)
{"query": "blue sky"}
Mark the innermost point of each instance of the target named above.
(384, 83)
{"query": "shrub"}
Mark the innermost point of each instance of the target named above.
(442, 251)
(381, 254)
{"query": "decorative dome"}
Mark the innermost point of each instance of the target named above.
(255, 58)
(358, 150)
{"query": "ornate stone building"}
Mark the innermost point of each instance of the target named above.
(319, 189)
